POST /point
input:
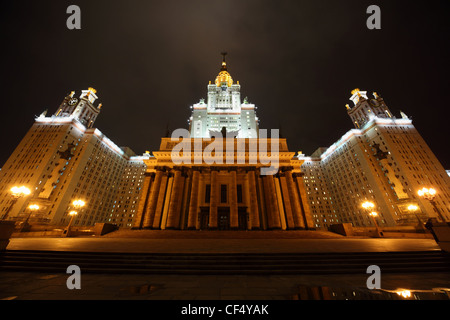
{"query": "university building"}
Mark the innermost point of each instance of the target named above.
(223, 172)
(383, 160)
(227, 179)
(63, 158)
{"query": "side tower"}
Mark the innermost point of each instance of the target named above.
(366, 109)
(63, 158)
(82, 108)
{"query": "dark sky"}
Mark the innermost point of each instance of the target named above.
(296, 60)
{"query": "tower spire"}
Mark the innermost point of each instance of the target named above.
(224, 62)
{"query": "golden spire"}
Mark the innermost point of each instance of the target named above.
(224, 76)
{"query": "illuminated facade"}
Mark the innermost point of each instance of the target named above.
(244, 181)
(224, 109)
(63, 158)
(383, 160)
(234, 193)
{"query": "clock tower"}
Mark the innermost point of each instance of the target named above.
(82, 108)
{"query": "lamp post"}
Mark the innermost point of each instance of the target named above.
(413, 209)
(17, 193)
(369, 206)
(78, 204)
(374, 215)
(430, 194)
(32, 208)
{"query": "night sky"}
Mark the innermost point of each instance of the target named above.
(296, 60)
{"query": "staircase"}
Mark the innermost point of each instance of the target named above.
(224, 264)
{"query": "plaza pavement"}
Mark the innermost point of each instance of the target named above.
(47, 286)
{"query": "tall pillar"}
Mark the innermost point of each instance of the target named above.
(295, 201)
(254, 211)
(287, 203)
(143, 201)
(184, 210)
(304, 204)
(281, 212)
(193, 203)
(164, 201)
(159, 201)
(273, 216)
(261, 201)
(173, 218)
(234, 219)
(214, 199)
(151, 205)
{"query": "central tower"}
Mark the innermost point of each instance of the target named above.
(223, 109)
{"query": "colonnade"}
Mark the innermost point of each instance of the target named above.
(175, 198)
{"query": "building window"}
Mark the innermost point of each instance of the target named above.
(207, 193)
(239, 193)
(223, 193)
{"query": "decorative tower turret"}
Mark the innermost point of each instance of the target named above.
(82, 108)
(365, 109)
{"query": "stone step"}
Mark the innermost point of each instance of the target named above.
(53, 261)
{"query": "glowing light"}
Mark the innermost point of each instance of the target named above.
(427, 193)
(404, 293)
(33, 207)
(413, 207)
(368, 205)
(73, 213)
(20, 191)
(356, 91)
(79, 203)
(373, 214)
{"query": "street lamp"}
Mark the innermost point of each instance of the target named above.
(430, 194)
(17, 193)
(374, 215)
(369, 206)
(413, 209)
(78, 204)
(32, 208)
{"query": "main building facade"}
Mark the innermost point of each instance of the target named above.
(224, 173)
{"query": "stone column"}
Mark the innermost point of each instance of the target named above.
(261, 200)
(159, 201)
(295, 201)
(153, 198)
(287, 203)
(184, 210)
(164, 202)
(193, 203)
(304, 204)
(143, 201)
(254, 211)
(280, 202)
(173, 218)
(234, 219)
(214, 199)
(273, 216)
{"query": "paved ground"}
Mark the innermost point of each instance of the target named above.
(222, 245)
(41, 286)
(37, 286)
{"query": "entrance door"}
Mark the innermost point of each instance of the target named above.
(242, 218)
(204, 219)
(223, 216)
